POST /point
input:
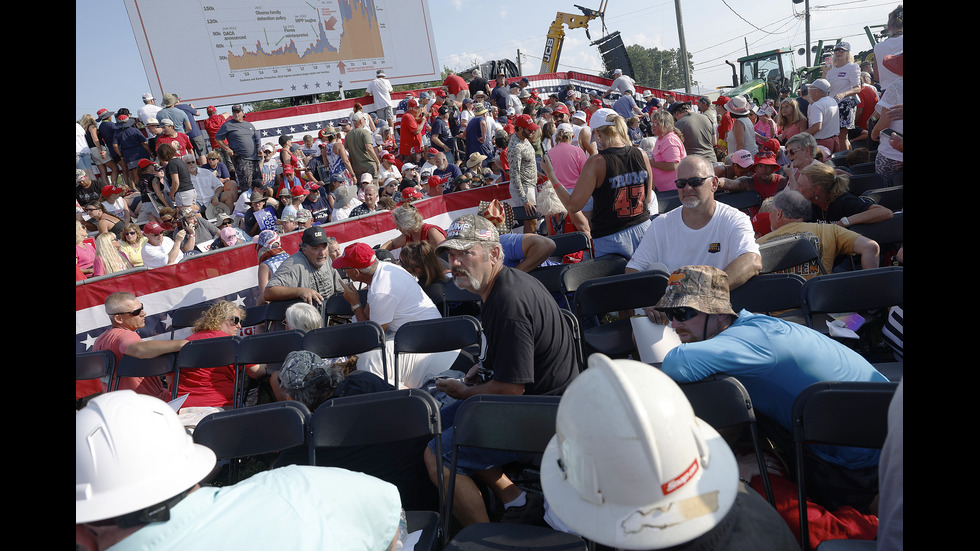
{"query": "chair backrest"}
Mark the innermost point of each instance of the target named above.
(852, 291)
(892, 197)
(576, 330)
(862, 168)
(841, 413)
(336, 306)
(885, 233)
(264, 348)
(523, 423)
(667, 201)
(723, 402)
(255, 315)
(436, 335)
(186, 316)
(550, 276)
(766, 293)
(789, 252)
(860, 183)
(347, 340)
(362, 432)
(452, 293)
(620, 292)
(572, 242)
(275, 311)
(95, 364)
(206, 354)
(740, 200)
(576, 274)
(255, 430)
(131, 366)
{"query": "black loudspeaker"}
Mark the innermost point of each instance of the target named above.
(614, 55)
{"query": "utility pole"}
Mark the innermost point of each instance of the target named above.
(806, 18)
(680, 33)
(519, 70)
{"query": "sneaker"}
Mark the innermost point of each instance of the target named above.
(532, 512)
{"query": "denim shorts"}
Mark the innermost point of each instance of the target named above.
(623, 243)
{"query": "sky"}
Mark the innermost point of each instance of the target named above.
(109, 71)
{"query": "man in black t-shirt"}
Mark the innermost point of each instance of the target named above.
(530, 350)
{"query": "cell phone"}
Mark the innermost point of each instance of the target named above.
(889, 132)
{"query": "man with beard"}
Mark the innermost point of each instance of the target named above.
(529, 351)
(703, 231)
(306, 275)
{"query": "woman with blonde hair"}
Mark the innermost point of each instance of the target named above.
(84, 252)
(668, 152)
(789, 120)
(131, 244)
(619, 180)
(108, 258)
(828, 190)
(845, 84)
(213, 386)
(413, 228)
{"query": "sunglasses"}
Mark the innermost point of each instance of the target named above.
(135, 312)
(129, 233)
(693, 182)
(683, 313)
(235, 320)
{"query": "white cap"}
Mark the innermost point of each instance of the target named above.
(598, 119)
(580, 115)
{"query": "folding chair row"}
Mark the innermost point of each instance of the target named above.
(354, 433)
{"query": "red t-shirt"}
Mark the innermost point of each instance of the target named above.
(869, 98)
(725, 126)
(208, 387)
(118, 340)
(180, 142)
(455, 83)
(411, 142)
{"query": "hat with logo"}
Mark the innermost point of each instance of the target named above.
(469, 230)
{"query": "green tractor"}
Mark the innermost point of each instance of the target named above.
(760, 77)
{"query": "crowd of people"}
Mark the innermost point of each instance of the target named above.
(579, 160)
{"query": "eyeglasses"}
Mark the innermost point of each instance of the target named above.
(129, 232)
(683, 313)
(792, 151)
(693, 182)
(135, 312)
(235, 320)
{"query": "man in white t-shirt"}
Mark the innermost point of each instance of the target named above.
(394, 298)
(621, 84)
(701, 231)
(160, 250)
(823, 115)
(381, 89)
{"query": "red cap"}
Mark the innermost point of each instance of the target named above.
(143, 163)
(435, 181)
(298, 190)
(152, 228)
(110, 189)
(441, 93)
(412, 104)
(526, 122)
(561, 108)
(212, 110)
(722, 100)
(357, 256)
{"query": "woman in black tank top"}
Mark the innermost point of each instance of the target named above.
(618, 179)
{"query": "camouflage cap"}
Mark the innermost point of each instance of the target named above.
(302, 368)
(468, 230)
(704, 288)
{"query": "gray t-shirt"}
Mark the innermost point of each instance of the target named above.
(242, 138)
(296, 271)
(698, 133)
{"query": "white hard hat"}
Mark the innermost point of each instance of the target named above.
(630, 466)
(132, 452)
